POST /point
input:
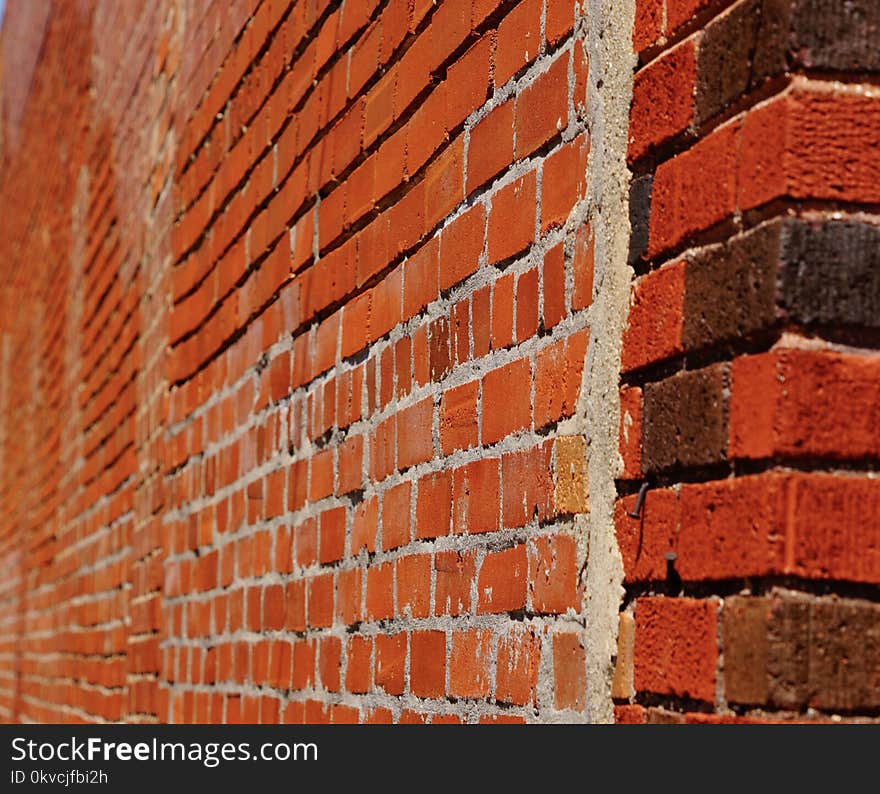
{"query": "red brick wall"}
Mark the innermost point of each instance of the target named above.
(298, 346)
(749, 371)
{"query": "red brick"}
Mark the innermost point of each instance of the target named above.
(519, 40)
(507, 400)
(648, 25)
(683, 200)
(330, 653)
(512, 221)
(320, 601)
(663, 100)
(421, 278)
(676, 647)
(414, 585)
(455, 575)
(380, 591)
(461, 244)
(470, 662)
(475, 497)
(569, 671)
(558, 375)
(359, 668)
(415, 443)
(467, 82)
(491, 146)
(527, 484)
(519, 655)
(396, 516)
(582, 267)
(503, 581)
(332, 534)
(391, 662)
(527, 304)
(553, 574)
(542, 108)
(656, 316)
(351, 462)
(427, 666)
(458, 417)
(564, 183)
(433, 505)
(553, 282)
(364, 525)
(502, 312)
(803, 403)
(631, 431)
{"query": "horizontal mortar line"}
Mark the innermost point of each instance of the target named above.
(742, 222)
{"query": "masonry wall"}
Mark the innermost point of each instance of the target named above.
(749, 366)
(325, 394)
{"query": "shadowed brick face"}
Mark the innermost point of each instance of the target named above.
(301, 410)
(749, 366)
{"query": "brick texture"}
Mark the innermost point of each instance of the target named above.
(749, 366)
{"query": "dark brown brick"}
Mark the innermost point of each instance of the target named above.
(730, 289)
(796, 652)
(745, 649)
(831, 272)
(685, 419)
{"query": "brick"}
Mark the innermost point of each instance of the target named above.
(685, 419)
(455, 574)
(506, 400)
(461, 244)
(527, 298)
(475, 497)
(396, 515)
(414, 585)
(503, 581)
(501, 328)
(470, 661)
(421, 280)
(582, 268)
(491, 146)
(542, 109)
(631, 432)
(648, 26)
(553, 284)
(332, 535)
(527, 484)
(458, 417)
(676, 647)
(415, 443)
(380, 591)
(512, 220)
(570, 475)
(558, 375)
(683, 201)
(519, 40)
(553, 573)
(569, 671)
(427, 667)
(663, 99)
(519, 655)
(391, 662)
(622, 684)
(364, 525)
(564, 182)
(433, 505)
(801, 652)
(824, 408)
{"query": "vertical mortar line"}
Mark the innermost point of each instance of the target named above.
(611, 61)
